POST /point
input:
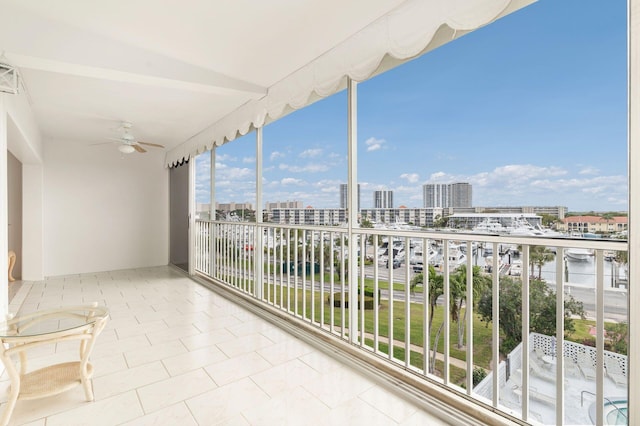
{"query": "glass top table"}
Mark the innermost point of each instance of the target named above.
(19, 334)
(50, 322)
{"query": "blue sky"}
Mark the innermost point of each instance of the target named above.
(530, 110)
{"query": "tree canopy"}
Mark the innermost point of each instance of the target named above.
(542, 308)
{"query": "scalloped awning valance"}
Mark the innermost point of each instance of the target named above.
(415, 27)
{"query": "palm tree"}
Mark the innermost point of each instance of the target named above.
(538, 256)
(479, 284)
(436, 285)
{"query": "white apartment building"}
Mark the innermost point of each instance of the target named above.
(457, 194)
(383, 199)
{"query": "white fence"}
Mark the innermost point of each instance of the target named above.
(548, 345)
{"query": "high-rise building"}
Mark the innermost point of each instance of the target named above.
(383, 199)
(460, 194)
(435, 195)
(445, 195)
(344, 196)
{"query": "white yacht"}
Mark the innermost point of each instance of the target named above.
(523, 227)
(579, 254)
(516, 268)
(490, 226)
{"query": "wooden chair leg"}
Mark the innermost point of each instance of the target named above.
(12, 263)
(88, 389)
(11, 404)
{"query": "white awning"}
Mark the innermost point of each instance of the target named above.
(413, 28)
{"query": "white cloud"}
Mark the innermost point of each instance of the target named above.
(594, 189)
(275, 155)
(248, 160)
(238, 174)
(292, 181)
(225, 157)
(438, 176)
(512, 175)
(410, 177)
(374, 144)
(311, 153)
(203, 179)
(309, 168)
(328, 186)
(588, 170)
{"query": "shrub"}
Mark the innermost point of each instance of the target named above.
(337, 301)
(478, 375)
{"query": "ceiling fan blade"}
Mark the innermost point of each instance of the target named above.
(138, 148)
(151, 144)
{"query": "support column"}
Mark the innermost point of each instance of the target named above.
(633, 365)
(259, 238)
(213, 230)
(192, 215)
(4, 215)
(32, 222)
(352, 203)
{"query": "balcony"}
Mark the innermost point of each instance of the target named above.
(319, 299)
(77, 205)
(175, 352)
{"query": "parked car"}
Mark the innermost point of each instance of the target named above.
(396, 264)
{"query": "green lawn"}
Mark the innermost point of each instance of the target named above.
(309, 305)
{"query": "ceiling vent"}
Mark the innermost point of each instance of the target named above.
(8, 79)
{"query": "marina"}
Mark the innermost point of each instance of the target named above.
(579, 269)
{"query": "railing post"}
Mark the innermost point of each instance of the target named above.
(599, 337)
(526, 350)
(352, 197)
(560, 336)
(495, 330)
(634, 205)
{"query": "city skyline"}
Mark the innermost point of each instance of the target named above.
(527, 117)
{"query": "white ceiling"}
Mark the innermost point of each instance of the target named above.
(171, 67)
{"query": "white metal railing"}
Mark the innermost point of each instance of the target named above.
(303, 271)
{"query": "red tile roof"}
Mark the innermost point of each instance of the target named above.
(595, 219)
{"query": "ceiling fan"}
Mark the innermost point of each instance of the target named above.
(128, 142)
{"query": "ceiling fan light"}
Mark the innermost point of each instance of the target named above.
(126, 149)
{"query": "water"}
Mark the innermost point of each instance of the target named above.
(576, 273)
(583, 273)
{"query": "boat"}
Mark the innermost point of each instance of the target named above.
(522, 227)
(516, 268)
(549, 232)
(578, 254)
(456, 258)
(490, 226)
(488, 264)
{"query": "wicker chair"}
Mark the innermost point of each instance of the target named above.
(48, 327)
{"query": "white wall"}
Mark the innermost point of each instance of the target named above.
(32, 222)
(14, 211)
(4, 222)
(25, 143)
(103, 210)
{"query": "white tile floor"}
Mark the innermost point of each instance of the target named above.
(174, 353)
